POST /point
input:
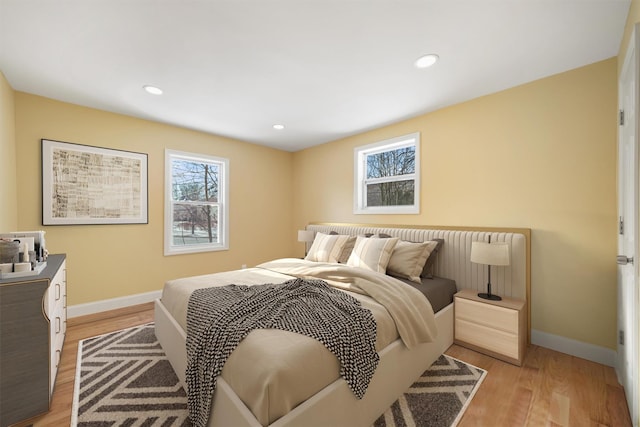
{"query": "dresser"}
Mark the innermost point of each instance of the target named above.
(33, 320)
(495, 328)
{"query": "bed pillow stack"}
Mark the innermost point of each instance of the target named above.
(378, 252)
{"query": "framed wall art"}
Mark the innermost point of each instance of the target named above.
(82, 184)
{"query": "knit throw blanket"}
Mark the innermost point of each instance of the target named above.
(219, 318)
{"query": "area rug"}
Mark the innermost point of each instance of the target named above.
(438, 398)
(124, 379)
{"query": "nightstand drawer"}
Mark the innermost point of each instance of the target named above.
(474, 333)
(491, 316)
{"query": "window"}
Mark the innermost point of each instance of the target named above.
(387, 176)
(196, 203)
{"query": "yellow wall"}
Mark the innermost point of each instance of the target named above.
(8, 193)
(107, 261)
(540, 156)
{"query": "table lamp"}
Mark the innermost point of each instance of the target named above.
(305, 236)
(490, 254)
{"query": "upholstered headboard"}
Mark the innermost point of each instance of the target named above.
(453, 259)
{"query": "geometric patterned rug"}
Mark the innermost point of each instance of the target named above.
(124, 379)
(438, 398)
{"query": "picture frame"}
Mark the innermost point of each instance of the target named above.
(83, 185)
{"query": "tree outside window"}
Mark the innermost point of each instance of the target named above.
(385, 181)
(196, 211)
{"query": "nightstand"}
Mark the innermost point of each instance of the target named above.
(495, 328)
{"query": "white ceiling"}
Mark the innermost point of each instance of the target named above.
(325, 69)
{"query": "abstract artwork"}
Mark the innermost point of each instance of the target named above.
(82, 184)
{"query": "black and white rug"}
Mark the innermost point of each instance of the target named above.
(124, 379)
(438, 398)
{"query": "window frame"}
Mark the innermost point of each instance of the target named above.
(360, 180)
(222, 203)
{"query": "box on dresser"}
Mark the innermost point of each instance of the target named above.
(32, 329)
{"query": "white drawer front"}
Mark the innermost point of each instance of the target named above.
(56, 330)
(488, 315)
(55, 295)
(56, 354)
(57, 313)
(498, 341)
(57, 342)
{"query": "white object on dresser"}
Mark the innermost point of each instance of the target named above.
(495, 328)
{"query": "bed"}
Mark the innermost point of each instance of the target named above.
(261, 385)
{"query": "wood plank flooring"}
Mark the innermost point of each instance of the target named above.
(550, 389)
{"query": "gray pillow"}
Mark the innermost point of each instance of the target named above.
(427, 271)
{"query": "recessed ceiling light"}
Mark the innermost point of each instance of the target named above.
(426, 61)
(152, 90)
(278, 127)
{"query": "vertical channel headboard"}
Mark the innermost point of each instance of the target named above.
(453, 259)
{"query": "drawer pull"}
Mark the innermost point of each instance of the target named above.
(57, 291)
(57, 325)
(57, 358)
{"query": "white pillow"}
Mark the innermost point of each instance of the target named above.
(408, 259)
(372, 254)
(329, 248)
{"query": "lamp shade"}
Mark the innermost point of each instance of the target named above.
(490, 253)
(305, 235)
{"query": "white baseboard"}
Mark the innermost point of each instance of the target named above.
(592, 352)
(111, 304)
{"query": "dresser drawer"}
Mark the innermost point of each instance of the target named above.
(491, 316)
(55, 295)
(54, 360)
(494, 340)
(57, 321)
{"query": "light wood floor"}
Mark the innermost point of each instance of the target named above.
(551, 389)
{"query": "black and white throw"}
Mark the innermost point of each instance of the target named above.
(219, 318)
